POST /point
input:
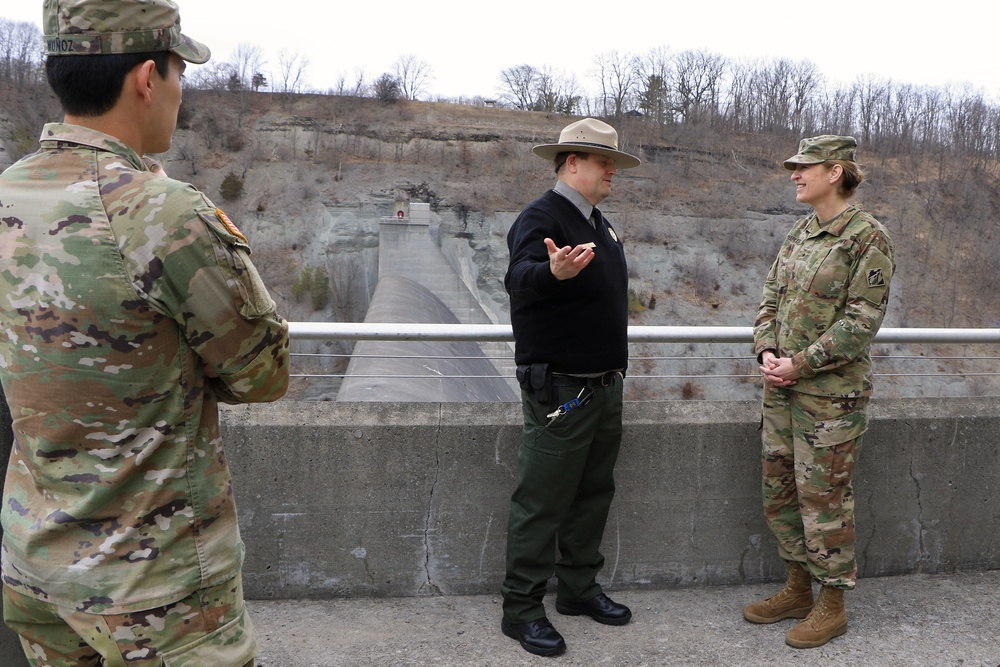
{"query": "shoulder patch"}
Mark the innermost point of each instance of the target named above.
(873, 276)
(876, 278)
(225, 228)
(229, 224)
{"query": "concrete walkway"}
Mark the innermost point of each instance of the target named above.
(909, 621)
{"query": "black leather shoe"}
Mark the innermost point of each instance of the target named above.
(538, 636)
(601, 608)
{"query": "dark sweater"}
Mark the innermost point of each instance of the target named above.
(578, 325)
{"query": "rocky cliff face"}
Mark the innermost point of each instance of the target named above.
(701, 219)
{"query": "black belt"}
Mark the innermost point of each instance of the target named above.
(603, 380)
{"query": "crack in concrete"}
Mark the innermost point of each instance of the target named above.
(863, 565)
(741, 565)
(361, 553)
(371, 575)
(752, 544)
(922, 554)
(429, 519)
(486, 541)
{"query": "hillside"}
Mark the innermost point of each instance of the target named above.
(701, 218)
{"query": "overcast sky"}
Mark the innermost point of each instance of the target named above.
(467, 44)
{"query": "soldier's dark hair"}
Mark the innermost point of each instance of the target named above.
(852, 178)
(91, 85)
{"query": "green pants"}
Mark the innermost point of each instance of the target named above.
(810, 445)
(565, 484)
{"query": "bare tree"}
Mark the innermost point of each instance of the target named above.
(360, 86)
(248, 60)
(187, 148)
(698, 77)
(357, 89)
(837, 111)
(805, 81)
(619, 77)
(738, 107)
(928, 116)
(350, 298)
(554, 92)
(871, 94)
(774, 94)
(292, 68)
(902, 103)
(211, 76)
(7, 49)
(968, 121)
(655, 72)
(518, 85)
(527, 88)
(20, 51)
(412, 74)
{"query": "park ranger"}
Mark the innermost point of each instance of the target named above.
(568, 284)
(130, 308)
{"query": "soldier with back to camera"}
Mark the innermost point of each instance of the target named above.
(130, 308)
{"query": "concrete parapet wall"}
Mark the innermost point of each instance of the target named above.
(382, 499)
(352, 499)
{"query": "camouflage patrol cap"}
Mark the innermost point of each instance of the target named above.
(822, 148)
(101, 27)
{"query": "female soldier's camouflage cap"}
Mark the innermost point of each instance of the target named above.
(822, 148)
(100, 27)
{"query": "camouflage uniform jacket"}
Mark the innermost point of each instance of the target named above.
(129, 309)
(824, 301)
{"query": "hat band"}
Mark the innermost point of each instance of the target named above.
(590, 144)
(133, 41)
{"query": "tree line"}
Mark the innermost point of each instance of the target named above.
(20, 52)
(702, 88)
(246, 70)
(663, 88)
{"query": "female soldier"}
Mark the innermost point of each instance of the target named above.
(824, 301)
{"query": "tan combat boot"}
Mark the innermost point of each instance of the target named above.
(827, 620)
(793, 601)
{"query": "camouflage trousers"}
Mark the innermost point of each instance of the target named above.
(810, 445)
(209, 627)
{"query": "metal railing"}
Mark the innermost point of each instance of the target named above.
(636, 334)
(692, 372)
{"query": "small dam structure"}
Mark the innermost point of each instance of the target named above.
(417, 284)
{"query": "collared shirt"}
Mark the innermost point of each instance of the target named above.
(824, 300)
(128, 308)
(578, 200)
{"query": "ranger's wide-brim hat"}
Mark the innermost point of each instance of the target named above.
(822, 148)
(105, 27)
(588, 136)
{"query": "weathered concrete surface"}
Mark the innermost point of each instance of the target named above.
(411, 499)
(913, 621)
(363, 501)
